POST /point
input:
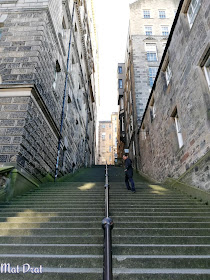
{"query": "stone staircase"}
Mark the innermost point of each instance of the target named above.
(158, 233)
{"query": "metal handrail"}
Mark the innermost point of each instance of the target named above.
(107, 225)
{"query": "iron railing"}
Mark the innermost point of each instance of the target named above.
(107, 225)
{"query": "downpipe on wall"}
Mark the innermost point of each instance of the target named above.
(64, 97)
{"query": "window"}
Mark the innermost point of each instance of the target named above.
(207, 70)
(115, 129)
(110, 125)
(110, 136)
(152, 75)
(103, 135)
(120, 69)
(151, 52)
(165, 30)
(120, 83)
(56, 75)
(103, 126)
(178, 128)
(146, 13)
(116, 142)
(110, 149)
(143, 133)
(152, 110)
(68, 106)
(121, 104)
(148, 30)
(168, 73)
(162, 14)
(193, 11)
(110, 158)
(63, 31)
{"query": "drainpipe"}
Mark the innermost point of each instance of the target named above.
(64, 97)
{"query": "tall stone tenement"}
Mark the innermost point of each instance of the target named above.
(34, 43)
(107, 140)
(121, 120)
(174, 136)
(149, 26)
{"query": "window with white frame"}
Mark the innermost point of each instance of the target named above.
(152, 75)
(193, 10)
(207, 70)
(168, 73)
(152, 109)
(121, 104)
(146, 13)
(120, 82)
(178, 128)
(165, 30)
(103, 135)
(110, 149)
(151, 50)
(56, 74)
(143, 133)
(103, 126)
(110, 136)
(120, 69)
(148, 30)
(162, 14)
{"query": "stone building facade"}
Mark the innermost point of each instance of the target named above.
(34, 42)
(174, 136)
(121, 120)
(149, 27)
(107, 140)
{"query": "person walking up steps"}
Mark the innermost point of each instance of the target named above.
(129, 173)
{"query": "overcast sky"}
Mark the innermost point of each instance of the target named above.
(112, 28)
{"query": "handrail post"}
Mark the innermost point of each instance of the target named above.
(107, 225)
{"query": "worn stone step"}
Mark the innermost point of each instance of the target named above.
(117, 249)
(68, 239)
(119, 274)
(52, 231)
(96, 261)
(82, 218)
(55, 260)
(52, 239)
(53, 249)
(60, 274)
(161, 274)
(161, 261)
(46, 223)
(54, 219)
(161, 249)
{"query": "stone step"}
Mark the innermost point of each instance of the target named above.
(53, 249)
(115, 207)
(123, 214)
(117, 249)
(97, 231)
(157, 249)
(49, 260)
(97, 223)
(119, 274)
(96, 261)
(137, 219)
(98, 239)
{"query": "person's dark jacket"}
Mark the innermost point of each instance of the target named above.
(128, 168)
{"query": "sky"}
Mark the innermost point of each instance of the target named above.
(112, 17)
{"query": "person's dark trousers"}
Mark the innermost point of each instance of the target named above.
(127, 183)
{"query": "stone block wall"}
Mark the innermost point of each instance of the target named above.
(187, 94)
(32, 50)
